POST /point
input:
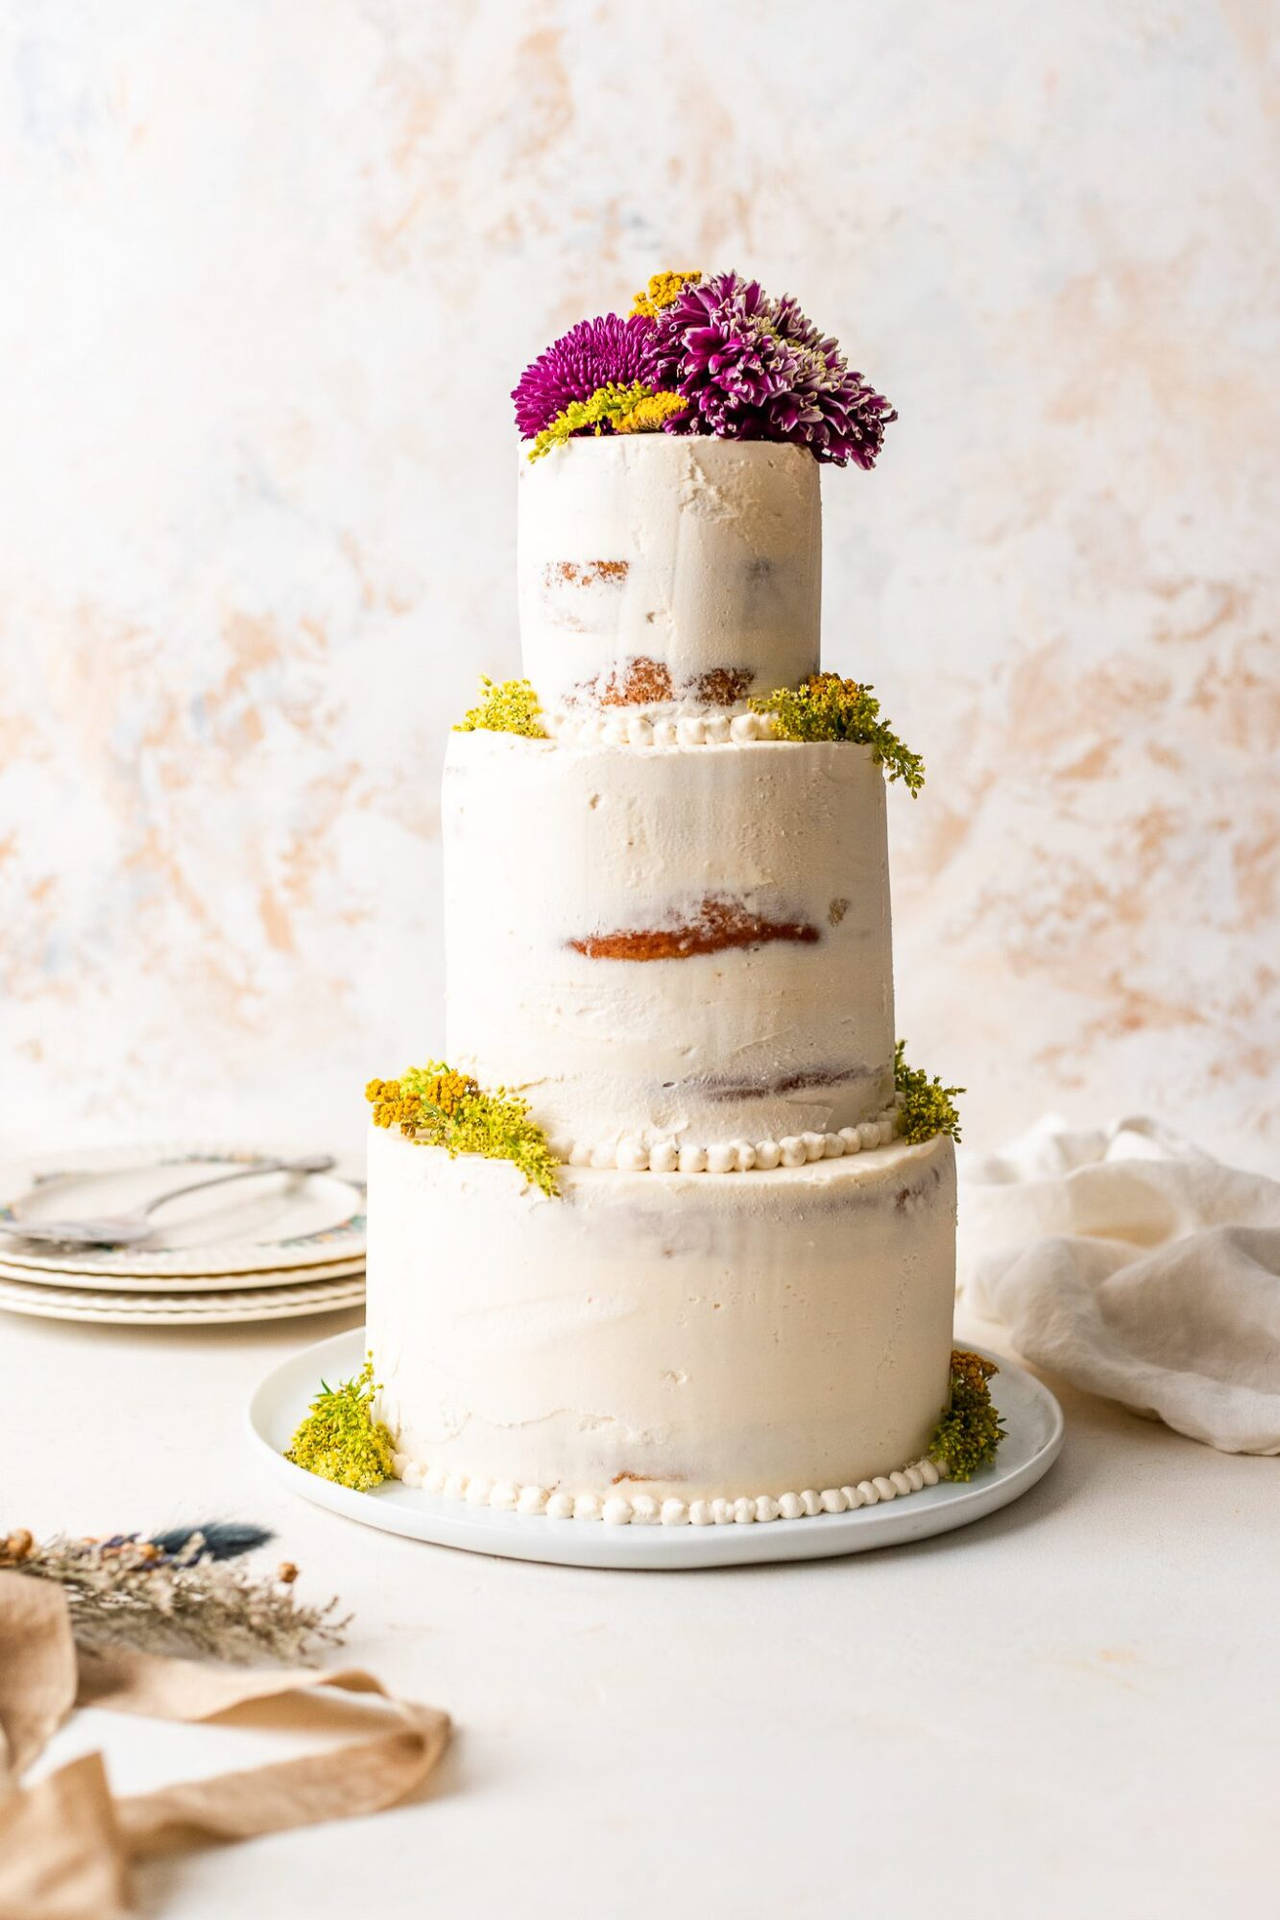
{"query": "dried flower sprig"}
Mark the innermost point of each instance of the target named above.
(177, 1598)
(438, 1107)
(825, 707)
(341, 1439)
(505, 706)
(925, 1106)
(970, 1431)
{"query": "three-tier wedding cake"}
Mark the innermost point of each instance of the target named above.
(671, 1237)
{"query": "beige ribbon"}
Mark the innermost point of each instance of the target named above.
(65, 1843)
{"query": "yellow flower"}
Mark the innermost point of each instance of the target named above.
(447, 1090)
(825, 707)
(510, 707)
(664, 290)
(341, 1440)
(648, 414)
(597, 412)
(439, 1107)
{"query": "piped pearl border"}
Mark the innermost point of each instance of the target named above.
(633, 1155)
(646, 1510)
(619, 728)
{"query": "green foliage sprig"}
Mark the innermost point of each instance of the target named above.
(620, 408)
(825, 707)
(441, 1108)
(340, 1439)
(925, 1106)
(969, 1431)
(506, 706)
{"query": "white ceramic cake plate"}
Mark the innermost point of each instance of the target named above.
(1031, 1415)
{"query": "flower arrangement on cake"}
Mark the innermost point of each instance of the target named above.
(706, 354)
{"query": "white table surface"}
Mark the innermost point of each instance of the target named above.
(1069, 1709)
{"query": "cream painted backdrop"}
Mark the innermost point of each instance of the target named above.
(271, 269)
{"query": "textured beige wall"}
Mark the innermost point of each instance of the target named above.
(272, 269)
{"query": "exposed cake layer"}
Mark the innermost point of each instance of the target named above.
(654, 569)
(670, 945)
(667, 1335)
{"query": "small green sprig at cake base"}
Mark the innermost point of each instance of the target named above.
(438, 1107)
(340, 1439)
(825, 707)
(925, 1106)
(969, 1431)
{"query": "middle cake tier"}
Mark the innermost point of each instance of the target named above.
(687, 944)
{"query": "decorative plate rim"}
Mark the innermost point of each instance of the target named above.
(177, 1284)
(137, 1310)
(20, 1172)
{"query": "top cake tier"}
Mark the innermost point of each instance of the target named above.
(655, 570)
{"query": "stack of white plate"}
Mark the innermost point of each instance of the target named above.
(262, 1249)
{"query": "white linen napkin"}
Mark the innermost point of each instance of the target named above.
(1137, 1266)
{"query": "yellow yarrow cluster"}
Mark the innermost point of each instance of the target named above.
(444, 1089)
(663, 290)
(506, 706)
(390, 1108)
(648, 414)
(436, 1093)
(439, 1107)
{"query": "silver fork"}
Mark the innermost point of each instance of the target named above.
(127, 1229)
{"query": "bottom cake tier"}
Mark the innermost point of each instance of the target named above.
(647, 1343)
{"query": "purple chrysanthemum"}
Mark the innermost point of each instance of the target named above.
(753, 368)
(593, 354)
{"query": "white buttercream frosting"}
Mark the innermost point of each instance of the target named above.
(660, 726)
(695, 556)
(688, 1338)
(556, 859)
(632, 1155)
(642, 1509)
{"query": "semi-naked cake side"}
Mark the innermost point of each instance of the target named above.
(719, 1284)
(673, 1336)
(688, 945)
